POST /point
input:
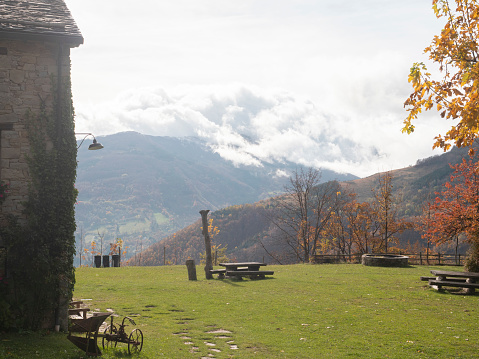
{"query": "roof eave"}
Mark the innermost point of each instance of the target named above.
(70, 40)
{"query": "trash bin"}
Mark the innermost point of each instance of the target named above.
(115, 260)
(97, 261)
(106, 261)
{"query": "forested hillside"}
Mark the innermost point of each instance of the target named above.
(143, 188)
(239, 227)
(244, 229)
(414, 184)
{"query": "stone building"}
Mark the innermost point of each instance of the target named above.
(35, 41)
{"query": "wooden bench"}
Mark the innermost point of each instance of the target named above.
(459, 280)
(452, 283)
(467, 280)
(243, 269)
(220, 272)
(253, 274)
(78, 309)
(216, 271)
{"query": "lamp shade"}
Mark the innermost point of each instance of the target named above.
(95, 145)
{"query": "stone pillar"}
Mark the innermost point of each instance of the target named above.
(190, 265)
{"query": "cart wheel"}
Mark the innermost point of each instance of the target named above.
(135, 341)
(106, 341)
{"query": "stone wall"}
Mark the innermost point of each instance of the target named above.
(384, 260)
(27, 72)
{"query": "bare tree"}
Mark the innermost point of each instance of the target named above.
(304, 210)
(385, 206)
(101, 241)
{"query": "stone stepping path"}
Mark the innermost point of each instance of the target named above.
(209, 347)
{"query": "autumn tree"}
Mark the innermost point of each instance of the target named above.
(455, 211)
(354, 228)
(423, 223)
(385, 207)
(455, 93)
(303, 212)
(362, 226)
(93, 251)
(368, 226)
(218, 252)
(337, 236)
(101, 236)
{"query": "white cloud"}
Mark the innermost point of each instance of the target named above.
(325, 79)
(243, 124)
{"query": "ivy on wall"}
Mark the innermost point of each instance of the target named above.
(40, 252)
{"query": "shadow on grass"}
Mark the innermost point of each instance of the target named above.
(121, 353)
(235, 282)
(458, 291)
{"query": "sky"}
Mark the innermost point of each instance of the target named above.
(318, 82)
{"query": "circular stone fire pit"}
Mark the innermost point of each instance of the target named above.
(384, 260)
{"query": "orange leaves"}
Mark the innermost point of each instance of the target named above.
(415, 73)
(455, 94)
(456, 210)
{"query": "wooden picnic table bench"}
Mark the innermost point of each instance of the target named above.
(222, 271)
(253, 274)
(467, 280)
(77, 308)
(443, 273)
(245, 269)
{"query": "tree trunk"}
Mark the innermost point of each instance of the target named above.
(209, 262)
(190, 265)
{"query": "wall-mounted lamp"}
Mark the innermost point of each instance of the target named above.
(94, 146)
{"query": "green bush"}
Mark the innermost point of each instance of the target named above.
(472, 260)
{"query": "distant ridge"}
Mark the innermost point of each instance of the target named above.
(241, 227)
(142, 188)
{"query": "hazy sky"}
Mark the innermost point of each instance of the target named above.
(318, 82)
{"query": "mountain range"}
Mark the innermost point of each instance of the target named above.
(247, 232)
(144, 188)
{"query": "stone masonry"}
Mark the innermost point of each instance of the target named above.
(27, 72)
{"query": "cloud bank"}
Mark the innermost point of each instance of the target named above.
(248, 125)
(321, 83)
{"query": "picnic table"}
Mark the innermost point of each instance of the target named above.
(242, 269)
(77, 308)
(467, 280)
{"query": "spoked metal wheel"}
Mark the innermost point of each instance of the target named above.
(109, 331)
(135, 341)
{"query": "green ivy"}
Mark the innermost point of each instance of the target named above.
(40, 252)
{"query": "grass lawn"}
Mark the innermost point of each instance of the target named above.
(303, 311)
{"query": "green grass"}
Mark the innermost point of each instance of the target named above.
(304, 311)
(135, 226)
(161, 218)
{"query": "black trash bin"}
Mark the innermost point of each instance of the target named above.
(106, 261)
(97, 261)
(115, 260)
